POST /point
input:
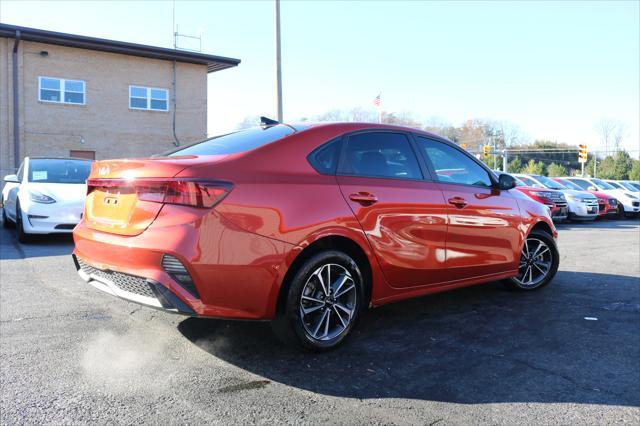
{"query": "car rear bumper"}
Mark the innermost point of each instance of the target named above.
(132, 288)
(235, 273)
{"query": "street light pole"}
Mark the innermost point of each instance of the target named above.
(278, 64)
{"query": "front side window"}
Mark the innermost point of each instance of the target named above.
(58, 170)
(20, 173)
(148, 98)
(380, 154)
(61, 91)
(453, 166)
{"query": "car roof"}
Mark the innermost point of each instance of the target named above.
(344, 127)
(57, 158)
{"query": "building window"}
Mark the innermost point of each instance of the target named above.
(61, 91)
(148, 98)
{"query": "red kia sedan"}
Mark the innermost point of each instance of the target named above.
(307, 226)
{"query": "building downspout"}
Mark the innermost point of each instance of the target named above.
(16, 106)
(176, 141)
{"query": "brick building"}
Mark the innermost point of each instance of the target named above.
(69, 95)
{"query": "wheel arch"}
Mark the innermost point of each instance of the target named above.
(541, 226)
(329, 242)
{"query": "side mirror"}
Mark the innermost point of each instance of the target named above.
(11, 179)
(592, 188)
(506, 182)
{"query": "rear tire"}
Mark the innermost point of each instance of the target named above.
(323, 302)
(539, 262)
(23, 236)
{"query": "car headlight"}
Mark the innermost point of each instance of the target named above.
(633, 197)
(40, 198)
(542, 194)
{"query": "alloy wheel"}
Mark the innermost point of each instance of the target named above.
(535, 263)
(328, 302)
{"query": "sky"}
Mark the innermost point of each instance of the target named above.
(555, 69)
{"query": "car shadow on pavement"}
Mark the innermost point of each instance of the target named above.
(39, 246)
(576, 341)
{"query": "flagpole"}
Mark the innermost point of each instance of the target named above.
(278, 64)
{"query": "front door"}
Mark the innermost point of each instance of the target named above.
(483, 235)
(402, 215)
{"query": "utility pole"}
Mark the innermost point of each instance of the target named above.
(504, 160)
(278, 64)
(495, 157)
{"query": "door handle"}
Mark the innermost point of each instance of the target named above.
(459, 202)
(363, 198)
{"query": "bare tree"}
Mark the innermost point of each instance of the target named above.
(619, 134)
(248, 121)
(361, 115)
(606, 127)
(333, 115)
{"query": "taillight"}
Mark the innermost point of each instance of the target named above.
(195, 193)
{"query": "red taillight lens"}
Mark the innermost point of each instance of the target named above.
(205, 194)
(197, 194)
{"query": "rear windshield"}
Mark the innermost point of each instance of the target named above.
(58, 171)
(232, 143)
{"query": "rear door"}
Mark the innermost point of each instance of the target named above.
(402, 213)
(483, 235)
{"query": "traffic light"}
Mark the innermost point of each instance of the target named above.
(582, 154)
(486, 150)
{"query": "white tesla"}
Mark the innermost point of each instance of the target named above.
(45, 196)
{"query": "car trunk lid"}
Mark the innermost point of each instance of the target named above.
(125, 196)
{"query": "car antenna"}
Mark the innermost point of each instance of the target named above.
(268, 122)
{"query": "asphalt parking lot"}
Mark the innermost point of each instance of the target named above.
(70, 354)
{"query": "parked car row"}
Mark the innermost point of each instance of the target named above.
(581, 198)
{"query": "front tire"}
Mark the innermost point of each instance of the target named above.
(6, 223)
(23, 236)
(539, 262)
(323, 302)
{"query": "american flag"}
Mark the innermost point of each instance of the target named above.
(376, 101)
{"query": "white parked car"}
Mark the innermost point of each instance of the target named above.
(628, 203)
(45, 196)
(624, 185)
(582, 205)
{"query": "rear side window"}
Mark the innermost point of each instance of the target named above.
(453, 166)
(380, 154)
(232, 143)
(325, 158)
